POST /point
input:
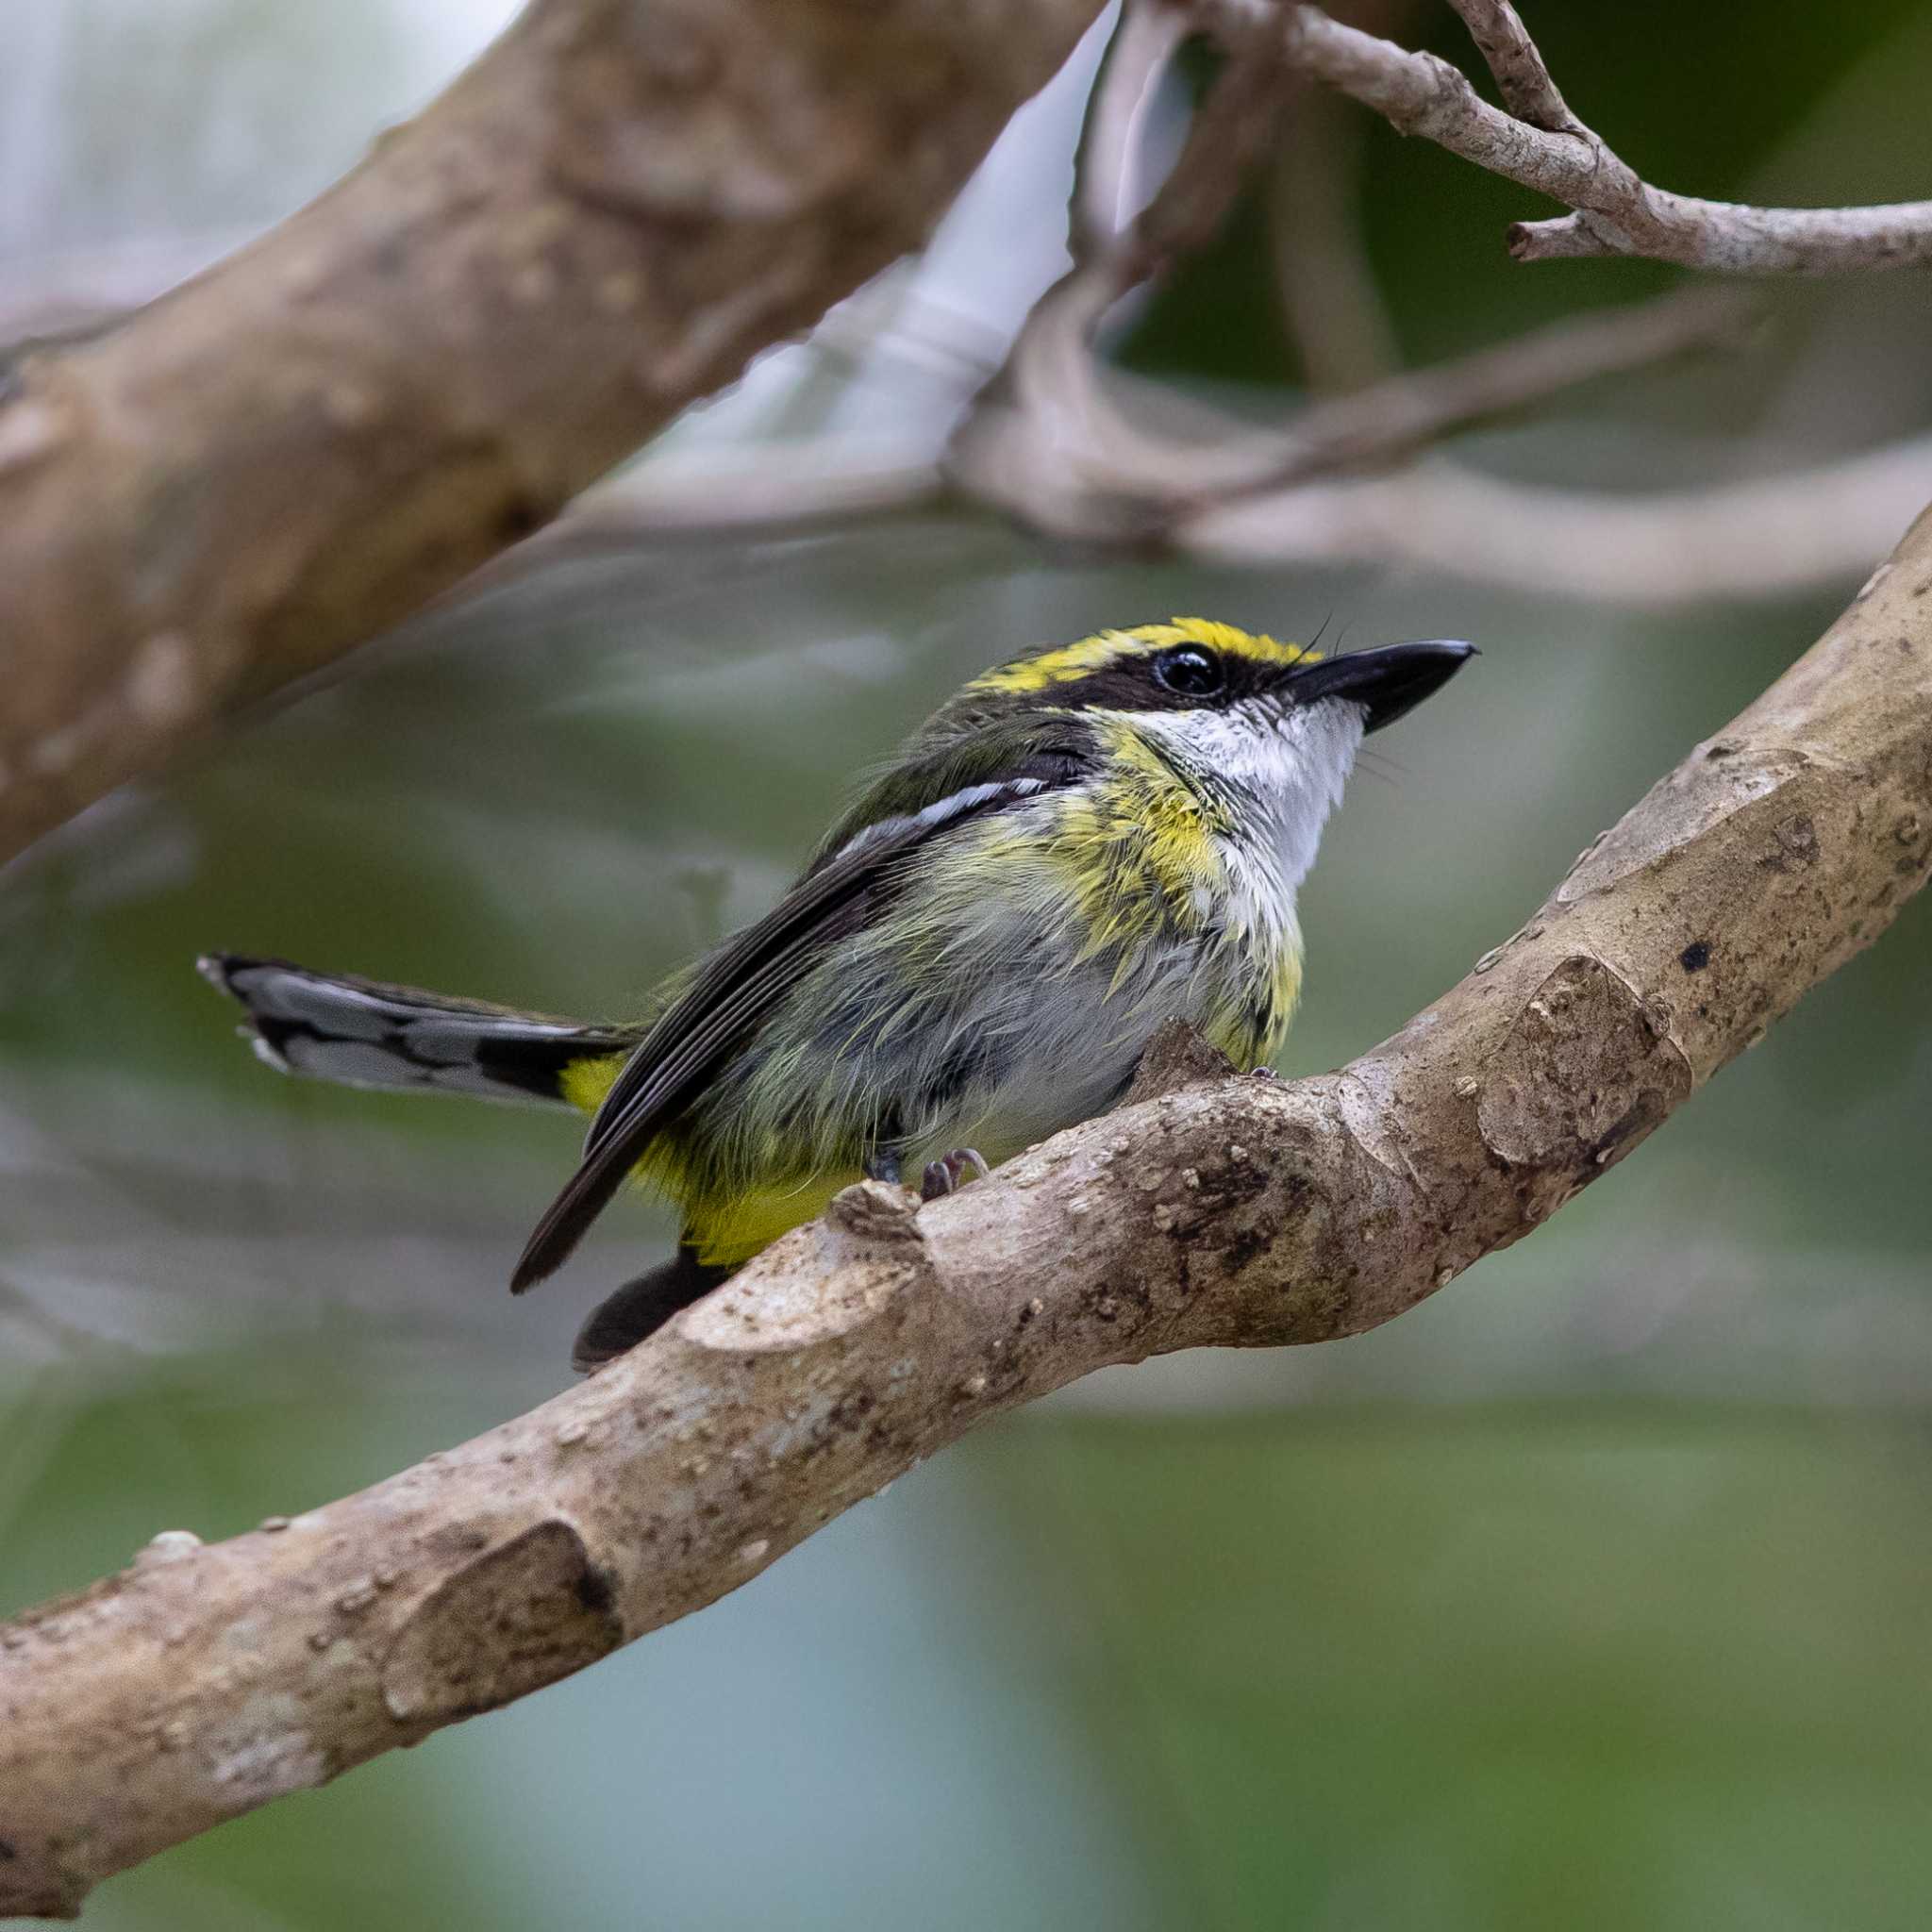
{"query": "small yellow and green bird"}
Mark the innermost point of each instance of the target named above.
(1080, 843)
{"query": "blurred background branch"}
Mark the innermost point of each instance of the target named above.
(1074, 450)
(1068, 446)
(249, 477)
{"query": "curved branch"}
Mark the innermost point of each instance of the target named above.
(602, 220)
(1207, 1210)
(1538, 143)
(1757, 538)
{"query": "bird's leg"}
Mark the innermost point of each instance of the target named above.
(942, 1175)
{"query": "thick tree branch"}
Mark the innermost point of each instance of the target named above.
(1209, 1211)
(93, 288)
(1537, 143)
(602, 220)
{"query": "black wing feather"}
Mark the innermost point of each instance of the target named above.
(741, 980)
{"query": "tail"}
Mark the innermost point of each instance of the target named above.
(363, 1033)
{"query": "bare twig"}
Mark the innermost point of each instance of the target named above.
(1539, 143)
(1528, 90)
(1065, 448)
(1210, 1210)
(1759, 538)
(1402, 413)
(1060, 444)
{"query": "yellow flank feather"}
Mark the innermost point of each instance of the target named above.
(1237, 1035)
(725, 1228)
(584, 1083)
(1071, 661)
(729, 1229)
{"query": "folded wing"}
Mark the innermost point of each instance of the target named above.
(755, 969)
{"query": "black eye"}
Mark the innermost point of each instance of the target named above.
(1189, 672)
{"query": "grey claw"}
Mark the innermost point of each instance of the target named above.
(942, 1176)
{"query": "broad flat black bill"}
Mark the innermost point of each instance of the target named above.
(1387, 683)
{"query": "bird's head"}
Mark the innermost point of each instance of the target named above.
(1194, 665)
(1272, 727)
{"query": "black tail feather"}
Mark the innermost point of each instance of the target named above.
(367, 1033)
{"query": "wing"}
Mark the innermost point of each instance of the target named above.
(755, 968)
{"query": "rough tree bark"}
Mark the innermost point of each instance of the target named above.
(1211, 1209)
(618, 206)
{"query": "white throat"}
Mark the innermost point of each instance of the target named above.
(1296, 762)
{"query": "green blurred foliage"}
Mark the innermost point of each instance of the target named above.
(1586, 1594)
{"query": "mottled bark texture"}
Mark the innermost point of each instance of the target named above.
(1211, 1209)
(617, 207)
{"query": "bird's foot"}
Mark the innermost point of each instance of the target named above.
(943, 1176)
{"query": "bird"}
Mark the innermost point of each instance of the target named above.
(1084, 842)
